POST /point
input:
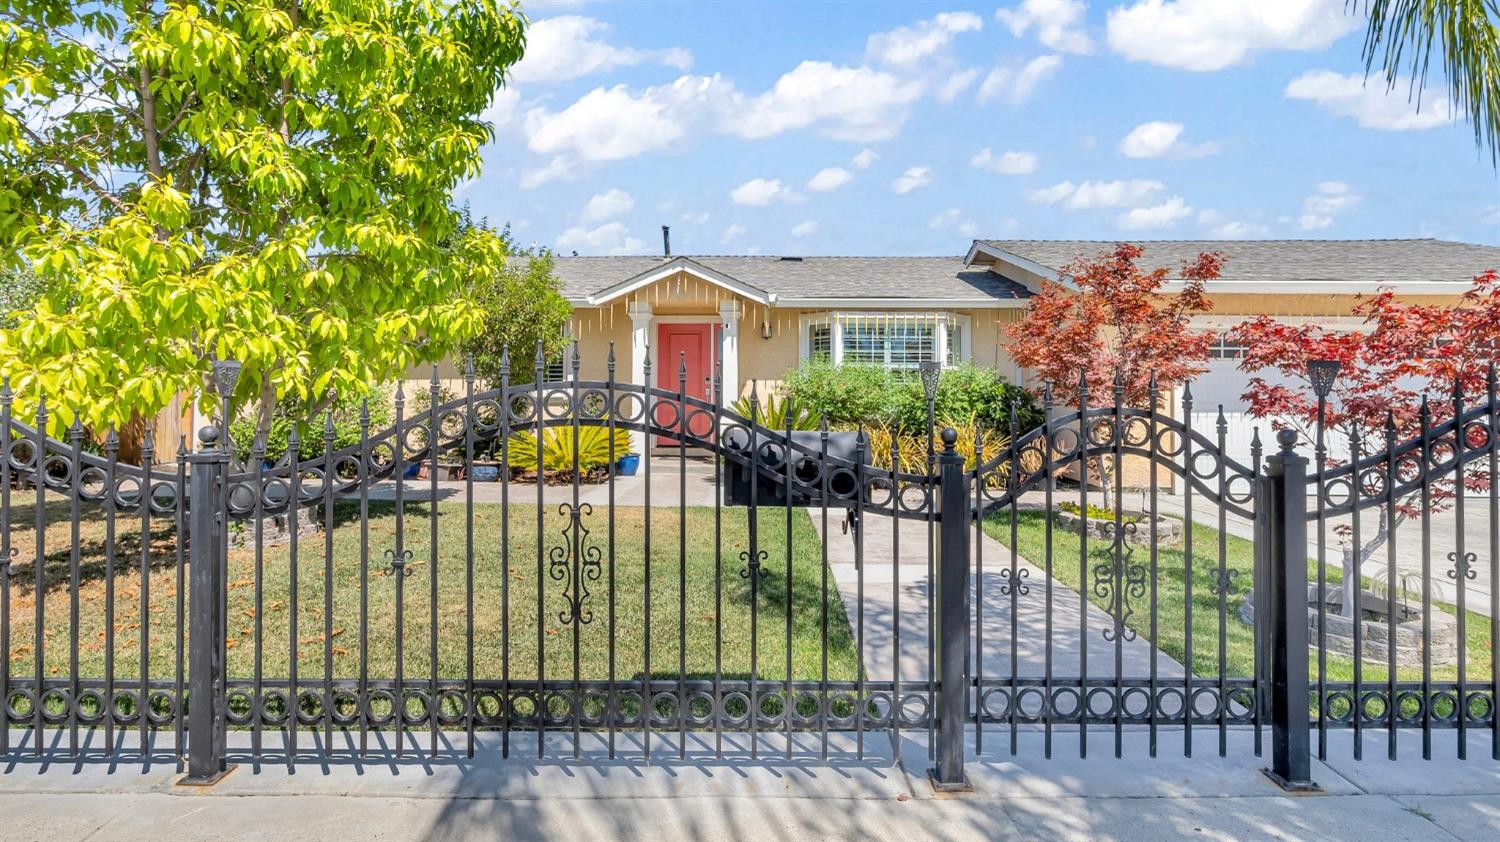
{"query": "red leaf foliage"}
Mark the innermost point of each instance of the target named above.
(1404, 358)
(1116, 318)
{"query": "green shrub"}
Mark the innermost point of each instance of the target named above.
(845, 394)
(346, 430)
(774, 413)
(873, 396)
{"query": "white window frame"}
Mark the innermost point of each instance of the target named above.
(836, 319)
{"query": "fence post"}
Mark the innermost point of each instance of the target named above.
(207, 726)
(1283, 530)
(952, 590)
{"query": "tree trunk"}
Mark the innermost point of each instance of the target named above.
(1353, 563)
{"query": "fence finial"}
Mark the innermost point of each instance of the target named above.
(609, 362)
(469, 367)
(1287, 438)
(505, 363)
(1187, 398)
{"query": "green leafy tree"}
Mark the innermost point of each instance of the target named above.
(19, 290)
(523, 305)
(1401, 36)
(247, 179)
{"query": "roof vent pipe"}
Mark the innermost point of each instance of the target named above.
(666, 240)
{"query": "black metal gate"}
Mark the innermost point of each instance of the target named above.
(770, 592)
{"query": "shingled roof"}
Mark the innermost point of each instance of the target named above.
(888, 279)
(1279, 262)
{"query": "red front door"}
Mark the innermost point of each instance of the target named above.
(694, 345)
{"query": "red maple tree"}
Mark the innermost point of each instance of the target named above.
(1108, 318)
(1405, 360)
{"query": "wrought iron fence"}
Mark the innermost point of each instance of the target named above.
(345, 592)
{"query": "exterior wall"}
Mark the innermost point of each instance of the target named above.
(763, 361)
(1320, 304)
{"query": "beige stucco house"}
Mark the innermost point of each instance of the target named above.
(762, 316)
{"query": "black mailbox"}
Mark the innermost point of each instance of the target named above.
(770, 490)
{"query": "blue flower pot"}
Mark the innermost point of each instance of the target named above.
(628, 465)
(486, 473)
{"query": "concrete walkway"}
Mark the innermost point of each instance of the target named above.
(884, 797)
(667, 475)
(896, 599)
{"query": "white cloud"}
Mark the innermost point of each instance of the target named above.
(955, 219)
(864, 159)
(1198, 35)
(913, 179)
(1164, 215)
(1057, 23)
(1098, 194)
(909, 46)
(806, 228)
(607, 205)
(1239, 230)
(558, 167)
(1013, 86)
(502, 108)
(955, 84)
(1220, 226)
(759, 192)
(732, 233)
(697, 218)
(1158, 139)
(861, 103)
(610, 124)
(570, 46)
(829, 178)
(844, 103)
(1330, 199)
(1372, 106)
(609, 238)
(1006, 163)
(1490, 215)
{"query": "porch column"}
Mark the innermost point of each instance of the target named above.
(729, 350)
(640, 345)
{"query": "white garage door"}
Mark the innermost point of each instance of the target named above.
(1223, 384)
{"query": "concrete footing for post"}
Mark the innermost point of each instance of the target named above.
(939, 786)
(210, 780)
(1293, 787)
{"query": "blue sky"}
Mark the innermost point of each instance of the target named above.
(911, 128)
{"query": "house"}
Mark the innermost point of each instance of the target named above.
(760, 317)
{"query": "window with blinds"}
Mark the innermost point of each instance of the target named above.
(899, 341)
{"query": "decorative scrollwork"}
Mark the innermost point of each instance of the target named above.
(399, 563)
(1225, 583)
(1014, 581)
(753, 564)
(1462, 566)
(575, 562)
(1119, 581)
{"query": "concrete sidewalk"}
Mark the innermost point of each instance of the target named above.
(885, 796)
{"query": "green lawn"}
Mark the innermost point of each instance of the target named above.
(808, 606)
(1172, 599)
